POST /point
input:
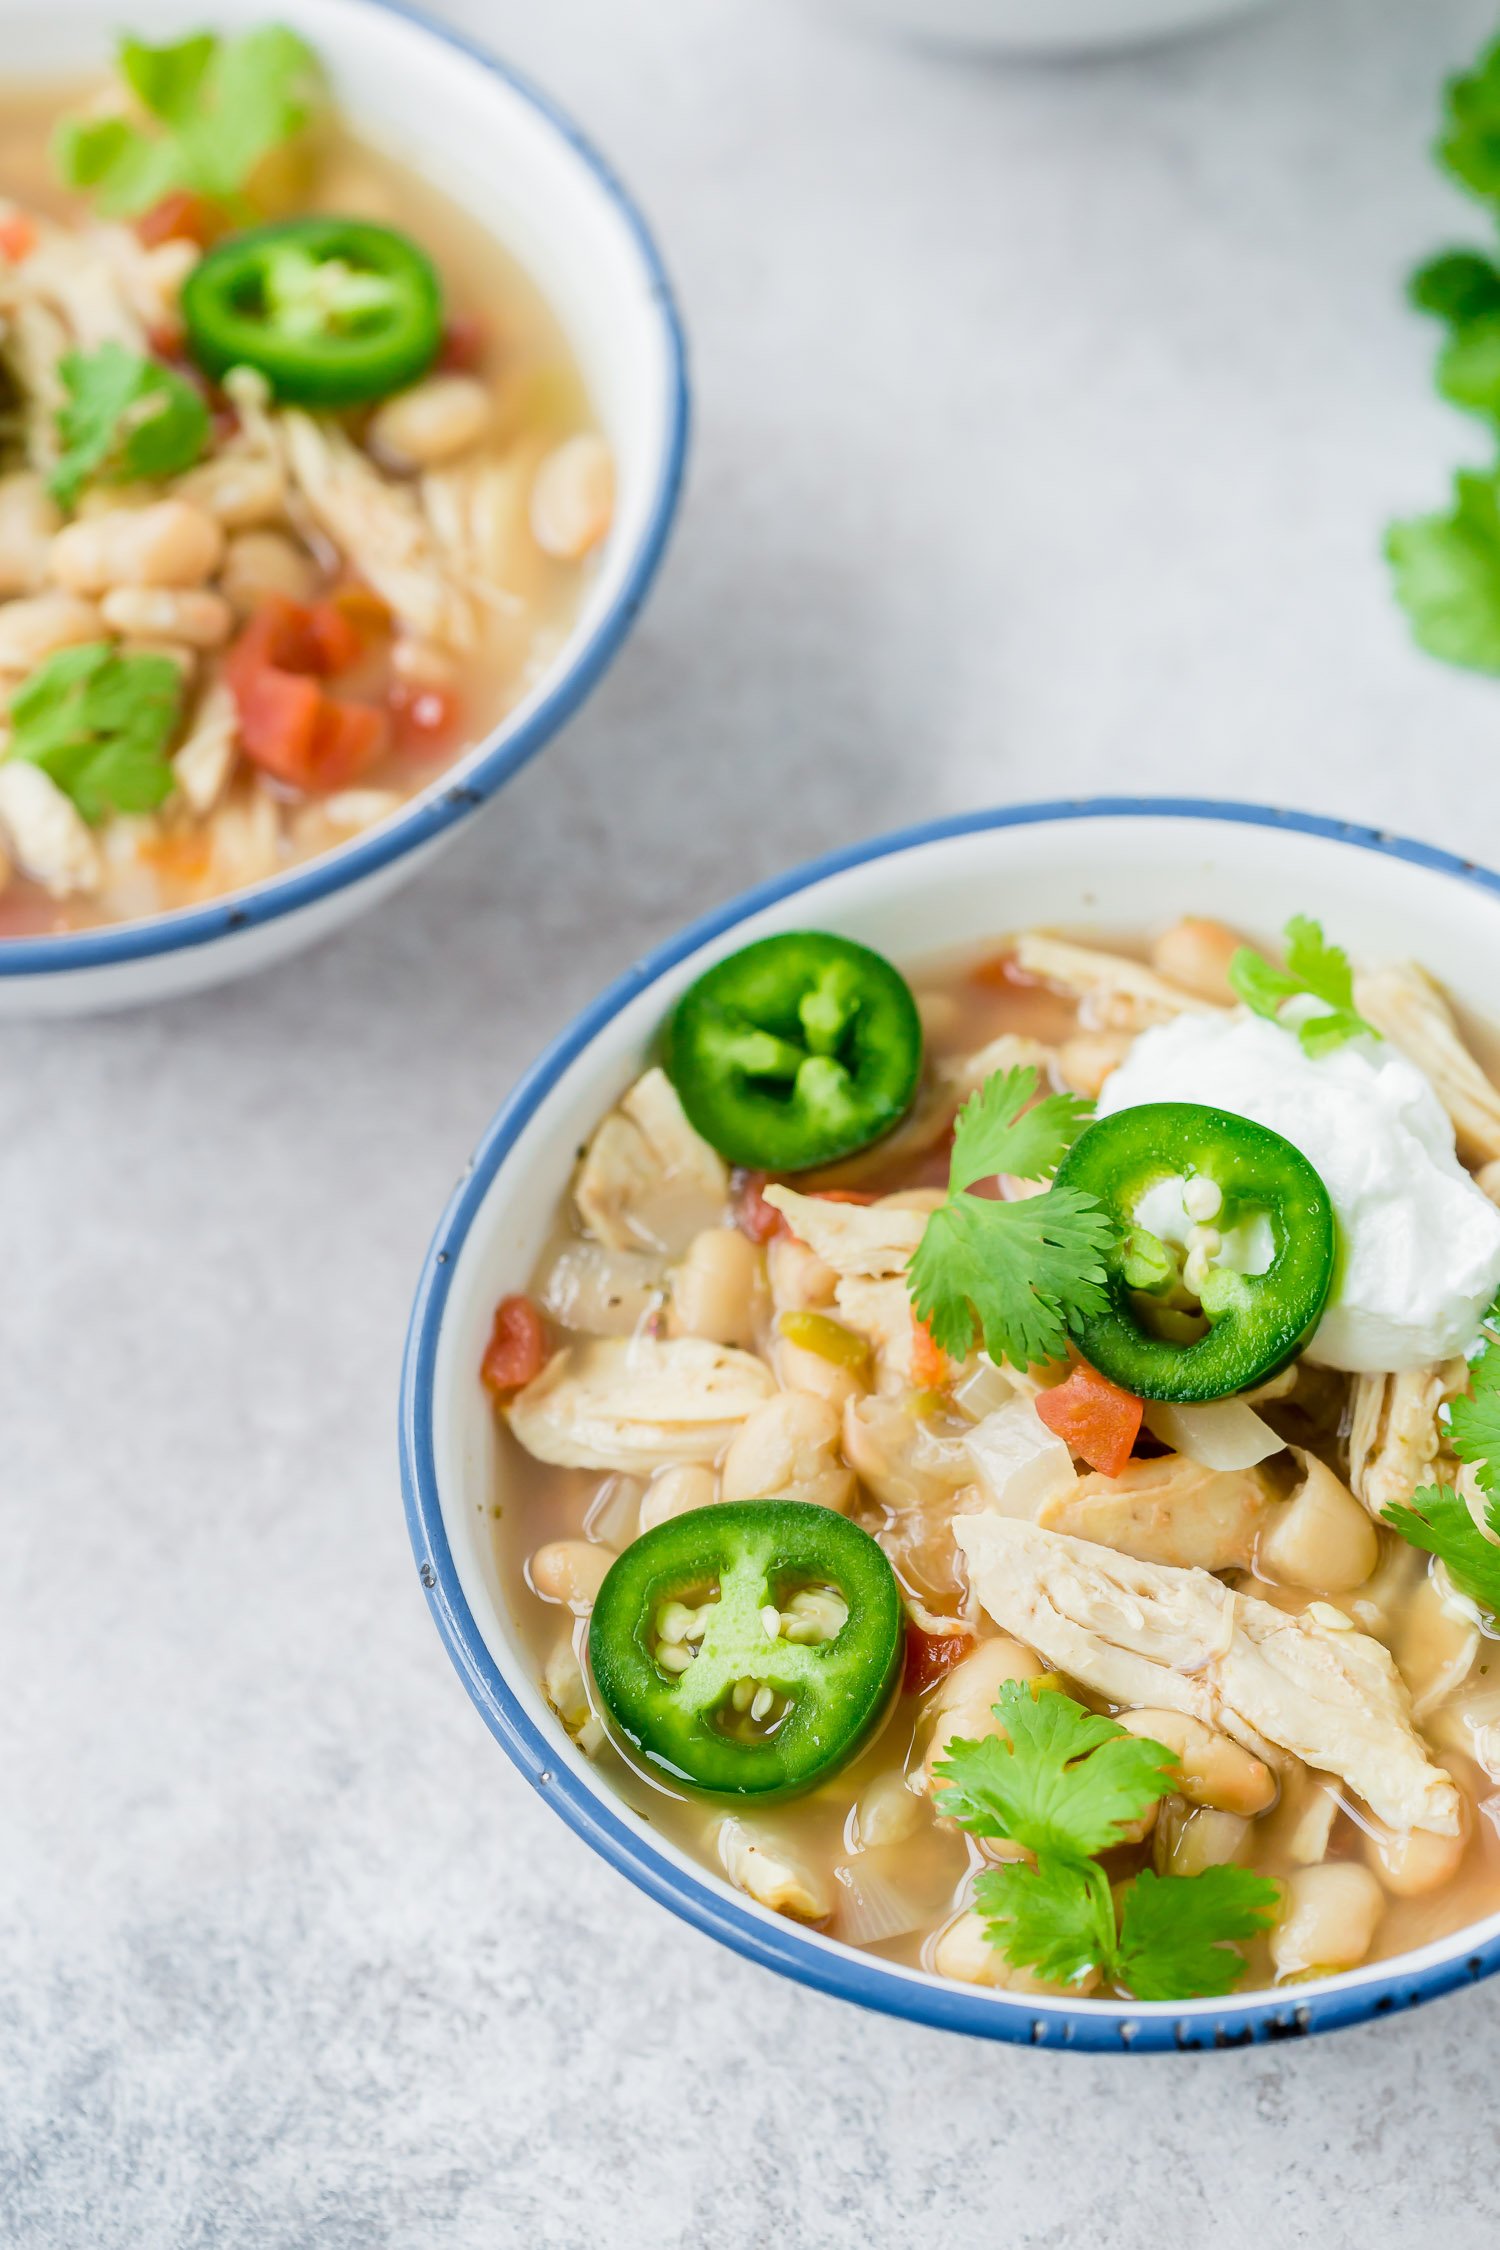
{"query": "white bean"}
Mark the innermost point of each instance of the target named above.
(713, 1289)
(200, 619)
(571, 1571)
(800, 1368)
(573, 497)
(1328, 1919)
(789, 1448)
(1087, 1059)
(1411, 1861)
(800, 1281)
(169, 544)
(1210, 1769)
(964, 1705)
(887, 1812)
(1321, 1537)
(434, 421)
(675, 1491)
(29, 517)
(963, 1951)
(257, 563)
(36, 628)
(241, 494)
(1195, 953)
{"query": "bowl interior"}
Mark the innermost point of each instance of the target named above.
(972, 882)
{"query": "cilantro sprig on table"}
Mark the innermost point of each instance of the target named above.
(1446, 566)
(100, 725)
(1438, 1518)
(1067, 1784)
(1314, 970)
(213, 110)
(1020, 1273)
(124, 416)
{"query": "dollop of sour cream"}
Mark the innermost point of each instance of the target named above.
(1420, 1258)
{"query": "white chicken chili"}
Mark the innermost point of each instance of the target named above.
(1111, 1326)
(299, 484)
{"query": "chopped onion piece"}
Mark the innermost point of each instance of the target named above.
(1226, 1435)
(874, 1907)
(1019, 1462)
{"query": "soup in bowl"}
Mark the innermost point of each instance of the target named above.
(948, 1425)
(335, 459)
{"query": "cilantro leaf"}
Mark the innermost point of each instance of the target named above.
(217, 106)
(1177, 1932)
(1447, 574)
(997, 1132)
(1438, 1520)
(1468, 369)
(99, 724)
(1018, 1273)
(1457, 286)
(1470, 143)
(1066, 1781)
(1057, 1918)
(1314, 969)
(124, 416)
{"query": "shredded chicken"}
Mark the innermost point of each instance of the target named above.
(1168, 1510)
(1115, 993)
(1407, 1006)
(868, 1241)
(205, 761)
(648, 1181)
(1396, 1434)
(1144, 1634)
(630, 1403)
(45, 834)
(380, 524)
(881, 1311)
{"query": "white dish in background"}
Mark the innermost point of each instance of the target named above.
(499, 150)
(1040, 27)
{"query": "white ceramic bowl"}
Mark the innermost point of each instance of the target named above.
(1107, 865)
(1040, 27)
(501, 150)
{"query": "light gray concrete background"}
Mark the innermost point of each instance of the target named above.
(1046, 425)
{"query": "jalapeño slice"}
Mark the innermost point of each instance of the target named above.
(1249, 1323)
(796, 1051)
(748, 1650)
(333, 312)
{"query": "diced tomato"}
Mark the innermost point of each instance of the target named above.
(289, 724)
(17, 237)
(465, 342)
(182, 216)
(349, 739)
(279, 715)
(427, 718)
(931, 1368)
(754, 1216)
(1093, 1416)
(931, 1656)
(517, 1349)
(335, 637)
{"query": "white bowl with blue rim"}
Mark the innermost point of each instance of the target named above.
(1109, 864)
(501, 150)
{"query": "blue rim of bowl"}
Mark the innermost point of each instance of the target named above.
(807, 1960)
(484, 768)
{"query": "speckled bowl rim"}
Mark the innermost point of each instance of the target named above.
(488, 763)
(821, 1963)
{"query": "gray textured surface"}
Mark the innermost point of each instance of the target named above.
(1046, 425)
